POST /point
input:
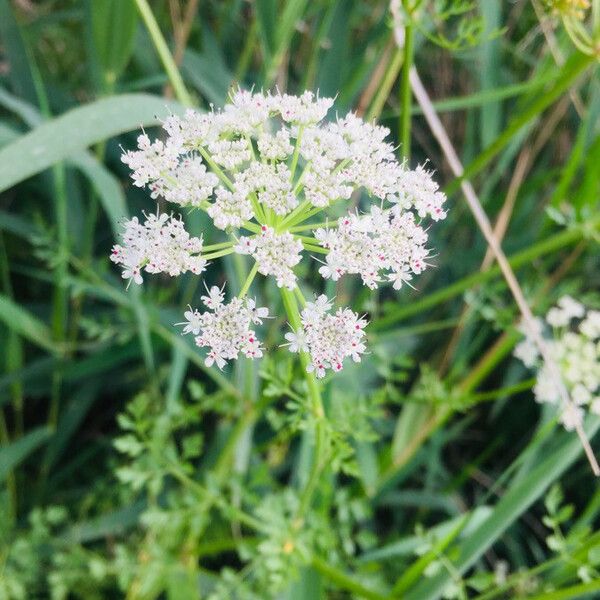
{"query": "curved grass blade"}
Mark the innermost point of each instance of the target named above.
(77, 129)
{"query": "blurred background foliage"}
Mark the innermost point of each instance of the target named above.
(128, 469)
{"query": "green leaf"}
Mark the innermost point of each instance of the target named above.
(308, 585)
(70, 419)
(580, 591)
(109, 524)
(15, 51)
(208, 74)
(113, 31)
(266, 13)
(77, 129)
(516, 500)
(407, 546)
(17, 319)
(14, 454)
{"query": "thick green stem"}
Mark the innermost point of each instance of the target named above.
(316, 407)
(249, 280)
(216, 169)
(218, 254)
(296, 153)
(299, 210)
(314, 248)
(311, 226)
(164, 53)
(405, 93)
(218, 246)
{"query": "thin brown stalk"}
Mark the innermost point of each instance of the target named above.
(484, 225)
(481, 218)
(182, 27)
(376, 78)
(523, 164)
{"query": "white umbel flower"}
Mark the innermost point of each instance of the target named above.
(575, 347)
(159, 245)
(230, 209)
(225, 329)
(275, 254)
(262, 168)
(328, 338)
(418, 189)
(369, 245)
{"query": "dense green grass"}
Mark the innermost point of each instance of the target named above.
(130, 470)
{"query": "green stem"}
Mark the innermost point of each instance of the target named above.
(251, 227)
(216, 169)
(516, 261)
(314, 248)
(571, 71)
(218, 254)
(296, 154)
(307, 215)
(307, 238)
(218, 246)
(249, 280)
(291, 308)
(508, 390)
(299, 210)
(405, 92)
(310, 226)
(164, 53)
(344, 581)
(383, 93)
(246, 54)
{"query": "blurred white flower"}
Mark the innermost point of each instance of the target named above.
(575, 347)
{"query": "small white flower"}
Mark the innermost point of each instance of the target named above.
(557, 317)
(193, 322)
(571, 417)
(226, 330)
(160, 245)
(275, 253)
(590, 326)
(329, 338)
(230, 209)
(572, 307)
(257, 314)
(214, 297)
(383, 241)
(275, 147)
(527, 352)
(296, 342)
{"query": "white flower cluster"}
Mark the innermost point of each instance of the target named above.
(226, 331)
(160, 245)
(575, 347)
(382, 240)
(329, 338)
(267, 164)
(275, 254)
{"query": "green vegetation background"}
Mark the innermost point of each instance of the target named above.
(128, 469)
